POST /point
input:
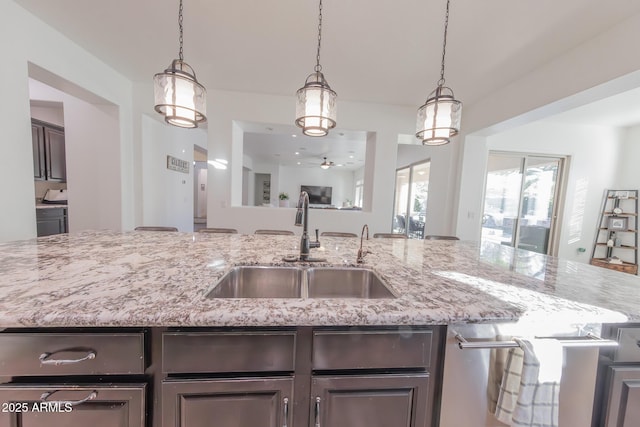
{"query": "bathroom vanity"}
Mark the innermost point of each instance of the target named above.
(130, 331)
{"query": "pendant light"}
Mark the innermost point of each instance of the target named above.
(316, 101)
(439, 118)
(178, 95)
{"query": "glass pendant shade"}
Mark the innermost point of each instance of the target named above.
(439, 118)
(316, 106)
(179, 96)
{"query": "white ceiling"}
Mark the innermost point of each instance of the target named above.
(277, 144)
(387, 51)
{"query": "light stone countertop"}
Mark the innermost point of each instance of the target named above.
(107, 278)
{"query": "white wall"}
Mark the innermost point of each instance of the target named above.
(341, 182)
(594, 154)
(92, 152)
(383, 122)
(53, 115)
(593, 70)
(629, 168)
(34, 43)
(168, 194)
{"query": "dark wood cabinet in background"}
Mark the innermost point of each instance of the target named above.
(51, 221)
(49, 161)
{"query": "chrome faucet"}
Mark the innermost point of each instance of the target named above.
(362, 253)
(302, 219)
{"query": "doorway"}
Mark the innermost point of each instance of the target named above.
(411, 193)
(200, 167)
(521, 200)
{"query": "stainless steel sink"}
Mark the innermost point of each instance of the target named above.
(296, 282)
(337, 282)
(259, 282)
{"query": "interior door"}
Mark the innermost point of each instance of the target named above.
(521, 200)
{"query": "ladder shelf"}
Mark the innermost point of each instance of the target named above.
(616, 240)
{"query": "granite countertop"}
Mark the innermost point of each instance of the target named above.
(49, 206)
(160, 279)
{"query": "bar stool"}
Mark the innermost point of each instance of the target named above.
(218, 230)
(275, 232)
(337, 234)
(154, 228)
(390, 236)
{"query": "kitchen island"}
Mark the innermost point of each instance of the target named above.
(161, 279)
(129, 309)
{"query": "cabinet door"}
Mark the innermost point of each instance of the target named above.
(246, 402)
(37, 142)
(51, 221)
(369, 401)
(623, 409)
(55, 153)
(28, 405)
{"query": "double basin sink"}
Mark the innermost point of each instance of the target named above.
(298, 282)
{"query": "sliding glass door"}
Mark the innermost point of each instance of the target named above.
(412, 188)
(520, 200)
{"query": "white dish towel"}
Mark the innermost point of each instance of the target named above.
(530, 384)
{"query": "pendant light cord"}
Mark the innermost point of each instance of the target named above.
(444, 46)
(180, 55)
(318, 67)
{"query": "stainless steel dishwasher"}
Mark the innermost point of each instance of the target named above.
(466, 371)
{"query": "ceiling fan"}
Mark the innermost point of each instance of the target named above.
(326, 164)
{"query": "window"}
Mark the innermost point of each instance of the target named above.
(359, 193)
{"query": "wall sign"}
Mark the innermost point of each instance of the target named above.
(176, 164)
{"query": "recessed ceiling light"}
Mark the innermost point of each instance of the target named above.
(297, 153)
(299, 163)
(294, 136)
(339, 164)
(351, 157)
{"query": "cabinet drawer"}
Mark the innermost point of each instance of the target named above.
(113, 405)
(199, 352)
(374, 349)
(628, 345)
(45, 213)
(40, 354)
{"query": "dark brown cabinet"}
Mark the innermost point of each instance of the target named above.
(624, 397)
(337, 377)
(370, 401)
(49, 156)
(51, 221)
(240, 402)
(618, 397)
(55, 379)
(95, 405)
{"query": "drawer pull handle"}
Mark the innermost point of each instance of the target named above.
(44, 359)
(317, 412)
(286, 411)
(45, 396)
